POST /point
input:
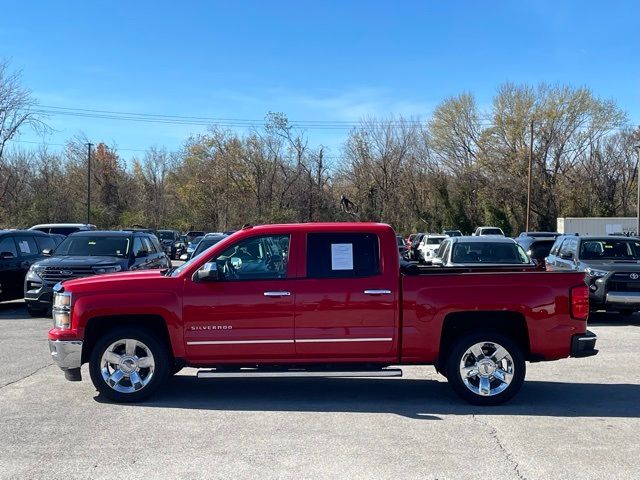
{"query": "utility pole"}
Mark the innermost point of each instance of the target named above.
(526, 229)
(89, 145)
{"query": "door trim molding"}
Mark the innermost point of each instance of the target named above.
(298, 340)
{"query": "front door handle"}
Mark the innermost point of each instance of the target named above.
(377, 292)
(277, 293)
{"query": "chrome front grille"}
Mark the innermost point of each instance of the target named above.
(53, 275)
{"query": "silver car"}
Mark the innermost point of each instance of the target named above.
(485, 251)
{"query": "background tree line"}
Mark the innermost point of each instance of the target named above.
(462, 167)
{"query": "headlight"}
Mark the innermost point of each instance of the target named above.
(596, 273)
(35, 271)
(108, 269)
(62, 310)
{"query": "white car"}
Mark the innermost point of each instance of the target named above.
(486, 231)
(428, 247)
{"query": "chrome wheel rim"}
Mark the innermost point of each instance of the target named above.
(486, 368)
(127, 365)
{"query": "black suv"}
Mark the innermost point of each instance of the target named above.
(88, 253)
(172, 243)
(537, 244)
(611, 264)
(19, 249)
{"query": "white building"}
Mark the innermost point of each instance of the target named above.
(597, 225)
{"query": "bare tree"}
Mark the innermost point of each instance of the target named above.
(17, 106)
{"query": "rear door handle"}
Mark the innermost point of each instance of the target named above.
(377, 292)
(277, 293)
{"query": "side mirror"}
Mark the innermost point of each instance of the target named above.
(7, 255)
(184, 257)
(142, 254)
(47, 252)
(567, 256)
(207, 273)
(436, 262)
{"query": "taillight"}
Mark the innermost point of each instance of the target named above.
(579, 299)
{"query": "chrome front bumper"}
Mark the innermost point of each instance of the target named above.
(66, 353)
(623, 298)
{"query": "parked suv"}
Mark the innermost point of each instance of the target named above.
(429, 246)
(83, 254)
(172, 243)
(63, 228)
(537, 244)
(19, 249)
(611, 264)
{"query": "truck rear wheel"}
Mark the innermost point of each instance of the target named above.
(128, 364)
(486, 368)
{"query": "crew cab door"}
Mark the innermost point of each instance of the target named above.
(248, 312)
(346, 301)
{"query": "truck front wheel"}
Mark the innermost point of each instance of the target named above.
(486, 368)
(128, 364)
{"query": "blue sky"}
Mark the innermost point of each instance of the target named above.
(312, 60)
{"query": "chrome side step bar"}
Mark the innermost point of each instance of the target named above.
(253, 373)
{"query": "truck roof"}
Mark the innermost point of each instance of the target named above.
(323, 226)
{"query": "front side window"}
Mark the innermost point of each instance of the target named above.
(255, 258)
(45, 243)
(342, 255)
(610, 249)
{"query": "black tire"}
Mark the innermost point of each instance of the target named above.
(34, 311)
(161, 357)
(458, 352)
(175, 369)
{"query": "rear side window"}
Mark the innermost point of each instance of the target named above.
(342, 255)
(45, 242)
(26, 246)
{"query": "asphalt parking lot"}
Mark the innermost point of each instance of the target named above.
(575, 418)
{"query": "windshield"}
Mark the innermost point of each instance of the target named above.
(488, 252)
(94, 246)
(165, 235)
(492, 231)
(453, 233)
(610, 249)
(434, 241)
(195, 241)
(400, 241)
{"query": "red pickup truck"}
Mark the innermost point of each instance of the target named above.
(319, 299)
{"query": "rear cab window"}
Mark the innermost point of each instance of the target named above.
(342, 255)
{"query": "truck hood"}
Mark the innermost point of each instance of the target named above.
(99, 281)
(82, 261)
(614, 265)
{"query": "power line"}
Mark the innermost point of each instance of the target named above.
(485, 120)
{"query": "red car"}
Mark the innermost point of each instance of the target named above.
(325, 299)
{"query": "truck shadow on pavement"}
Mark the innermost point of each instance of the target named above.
(411, 398)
